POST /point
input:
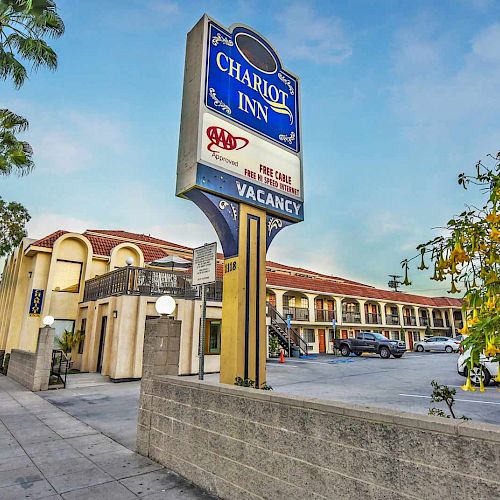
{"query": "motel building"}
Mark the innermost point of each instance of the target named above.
(105, 284)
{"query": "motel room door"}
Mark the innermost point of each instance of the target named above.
(322, 344)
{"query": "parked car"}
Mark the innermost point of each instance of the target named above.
(437, 344)
(370, 342)
(489, 367)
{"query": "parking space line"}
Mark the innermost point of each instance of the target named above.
(456, 399)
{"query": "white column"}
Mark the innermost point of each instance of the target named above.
(452, 322)
(417, 319)
(431, 318)
(338, 310)
(279, 300)
(400, 314)
(311, 298)
(382, 312)
(362, 311)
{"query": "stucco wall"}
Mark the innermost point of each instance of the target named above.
(32, 369)
(242, 443)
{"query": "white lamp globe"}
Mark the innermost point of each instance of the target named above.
(129, 261)
(48, 320)
(165, 305)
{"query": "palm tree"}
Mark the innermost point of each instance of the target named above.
(23, 24)
(15, 155)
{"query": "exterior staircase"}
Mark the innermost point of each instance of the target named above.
(278, 328)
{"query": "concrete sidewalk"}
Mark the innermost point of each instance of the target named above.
(46, 453)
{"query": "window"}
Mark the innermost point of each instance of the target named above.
(369, 336)
(416, 336)
(304, 303)
(394, 335)
(212, 336)
(67, 276)
(81, 345)
(59, 326)
(309, 335)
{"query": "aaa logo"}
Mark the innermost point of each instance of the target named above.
(221, 138)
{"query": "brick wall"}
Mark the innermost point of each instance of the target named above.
(32, 369)
(243, 443)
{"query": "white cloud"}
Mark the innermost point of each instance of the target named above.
(311, 36)
(69, 141)
(444, 96)
(45, 223)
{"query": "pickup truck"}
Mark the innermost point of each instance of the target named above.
(370, 342)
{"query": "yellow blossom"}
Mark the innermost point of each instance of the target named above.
(468, 385)
(493, 218)
(495, 235)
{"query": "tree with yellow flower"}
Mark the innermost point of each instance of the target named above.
(469, 256)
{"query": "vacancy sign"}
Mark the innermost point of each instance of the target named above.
(204, 263)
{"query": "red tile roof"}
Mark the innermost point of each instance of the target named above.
(48, 241)
(126, 235)
(279, 275)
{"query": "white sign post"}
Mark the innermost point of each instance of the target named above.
(204, 265)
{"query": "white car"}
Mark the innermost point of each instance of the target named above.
(490, 368)
(437, 344)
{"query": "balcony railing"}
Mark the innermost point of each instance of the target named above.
(298, 313)
(410, 320)
(351, 317)
(141, 281)
(459, 324)
(373, 319)
(438, 323)
(325, 315)
(393, 319)
(424, 321)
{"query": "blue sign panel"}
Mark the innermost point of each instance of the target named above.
(246, 84)
(36, 303)
(233, 187)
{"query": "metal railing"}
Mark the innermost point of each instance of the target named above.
(141, 281)
(325, 315)
(373, 318)
(438, 323)
(59, 367)
(351, 317)
(410, 320)
(298, 313)
(280, 328)
(393, 319)
(424, 321)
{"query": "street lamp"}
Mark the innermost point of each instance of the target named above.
(48, 321)
(165, 305)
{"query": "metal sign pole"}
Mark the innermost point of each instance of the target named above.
(288, 327)
(201, 349)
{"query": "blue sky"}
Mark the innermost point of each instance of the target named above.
(397, 98)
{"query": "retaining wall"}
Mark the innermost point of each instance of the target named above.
(32, 369)
(244, 443)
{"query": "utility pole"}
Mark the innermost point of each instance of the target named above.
(394, 282)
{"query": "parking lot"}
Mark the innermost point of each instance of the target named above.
(402, 384)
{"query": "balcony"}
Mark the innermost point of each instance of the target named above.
(424, 321)
(410, 320)
(298, 313)
(351, 317)
(438, 323)
(373, 319)
(393, 319)
(325, 315)
(152, 282)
